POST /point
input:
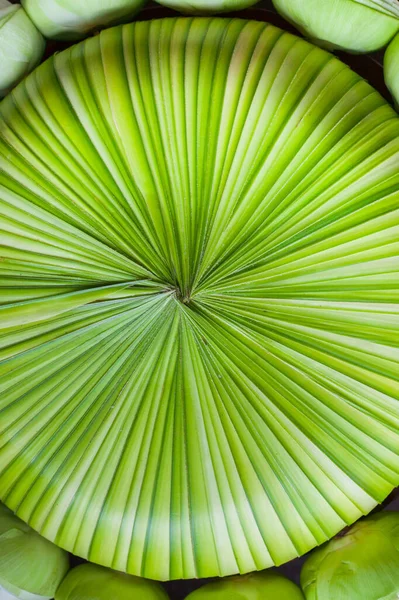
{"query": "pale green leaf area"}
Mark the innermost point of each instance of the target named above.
(91, 582)
(357, 26)
(6, 594)
(361, 564)
(199, 271)
(198, 7)
(6, 10)
(387, 7)
(74, 19)
(268, 585)
(21, 46)
(391, 69)
(31, 567)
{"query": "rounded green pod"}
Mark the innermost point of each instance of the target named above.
(93, 582)
(74, 19)
(363, 564)
(268, 585)
(391, 69)
(21, 45)
(354, 25)
(207, 6)
(31, 567)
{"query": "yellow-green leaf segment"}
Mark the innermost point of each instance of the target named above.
(199, 271)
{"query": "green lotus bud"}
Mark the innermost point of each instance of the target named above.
(353, 25)
(391, 69)
(361, 565)
(268, 585)
(207, 6)
(21, 45)
(31, 567)
(73, 19)
(93, 582)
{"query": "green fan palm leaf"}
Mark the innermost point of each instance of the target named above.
(199, 274)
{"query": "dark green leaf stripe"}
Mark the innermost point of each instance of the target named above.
(199, 279)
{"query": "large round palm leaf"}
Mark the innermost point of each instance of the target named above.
(199, 280)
